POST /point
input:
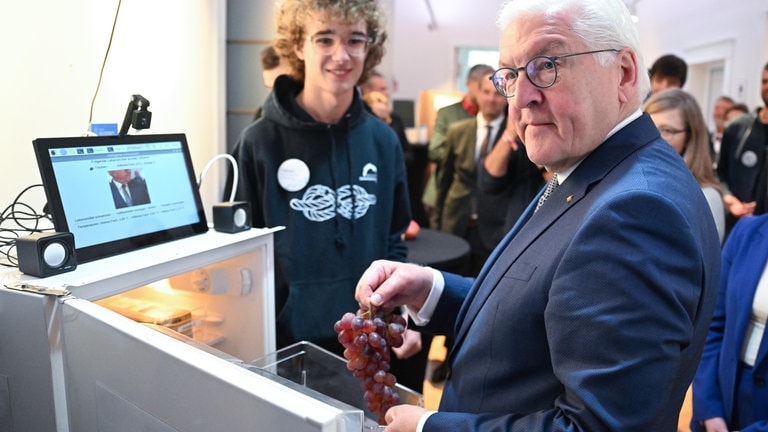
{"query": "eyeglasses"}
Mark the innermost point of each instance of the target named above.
(327, 44)
(540, 70)
(668, 132)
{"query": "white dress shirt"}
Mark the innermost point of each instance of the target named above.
(756, 325)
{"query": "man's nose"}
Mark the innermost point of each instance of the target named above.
(340, 51)
(525, 92)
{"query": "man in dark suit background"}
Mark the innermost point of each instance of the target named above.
(375, 92)
(447, 115)
(508, 176)
(743, 164)
(462, 209)
(128, 189)
(592, 313)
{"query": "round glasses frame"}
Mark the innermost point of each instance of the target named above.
(668, 133)
(541, 71)
(327, 44)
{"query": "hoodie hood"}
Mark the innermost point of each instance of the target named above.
(281, 107)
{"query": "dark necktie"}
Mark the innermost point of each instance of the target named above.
(552, 184)
(126, 195)
(485, 147)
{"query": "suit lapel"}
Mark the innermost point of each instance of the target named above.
(491, 261)
(530, 226)
(525, 231)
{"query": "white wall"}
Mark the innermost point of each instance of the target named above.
(702, 31)
(694, 29)
(425, 59)
(170, 51)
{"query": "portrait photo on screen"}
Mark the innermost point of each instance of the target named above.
(128, 188)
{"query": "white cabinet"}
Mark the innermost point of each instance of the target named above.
(70, 363)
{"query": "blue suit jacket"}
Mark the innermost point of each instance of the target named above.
(592, 313)
(744, 258)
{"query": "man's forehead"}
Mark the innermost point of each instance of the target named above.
(325, 23)
(517, 54)
(526, 37)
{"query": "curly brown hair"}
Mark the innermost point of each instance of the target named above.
(292, 15)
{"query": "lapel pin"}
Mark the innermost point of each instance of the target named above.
(569, 199)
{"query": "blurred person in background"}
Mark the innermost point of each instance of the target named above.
(668, 71)
(729, 390)
(507, 171)
(743, 165)
(271, 68)
(463, 209)
(679, 119)
(722, 105)
(736, 110)
(375, 91)
(446, 116)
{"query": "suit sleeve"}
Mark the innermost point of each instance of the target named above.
(436, 149)
(443, 322)
(707, 393)
(445, 178)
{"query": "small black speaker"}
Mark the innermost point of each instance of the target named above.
(232, 217)
(46, 254)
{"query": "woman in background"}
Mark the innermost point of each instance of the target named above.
(729, 389)
(678, 117)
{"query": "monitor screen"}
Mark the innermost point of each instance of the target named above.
(116, 194)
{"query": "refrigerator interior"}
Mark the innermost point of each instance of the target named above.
(222, 305)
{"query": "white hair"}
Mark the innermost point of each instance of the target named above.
(601, 24)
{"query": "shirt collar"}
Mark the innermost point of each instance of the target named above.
(482, 122)
(561, 176)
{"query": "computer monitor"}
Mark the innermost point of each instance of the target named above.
(116, 194)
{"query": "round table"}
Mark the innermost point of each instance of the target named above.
(439, 250)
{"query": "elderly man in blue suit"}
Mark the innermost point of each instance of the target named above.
(592, 313)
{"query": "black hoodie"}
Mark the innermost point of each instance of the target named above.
(341, 192)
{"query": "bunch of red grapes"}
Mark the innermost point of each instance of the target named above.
(366, 338)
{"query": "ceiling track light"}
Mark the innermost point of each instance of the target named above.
(632, 6)
(432, 24)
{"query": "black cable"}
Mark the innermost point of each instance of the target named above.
(104, 63)
(23, 220)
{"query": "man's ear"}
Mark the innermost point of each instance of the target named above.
(628, 78)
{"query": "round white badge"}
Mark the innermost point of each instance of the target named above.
(749, 158)
(293, 175)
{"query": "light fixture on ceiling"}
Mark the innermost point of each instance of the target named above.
(432, 24)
